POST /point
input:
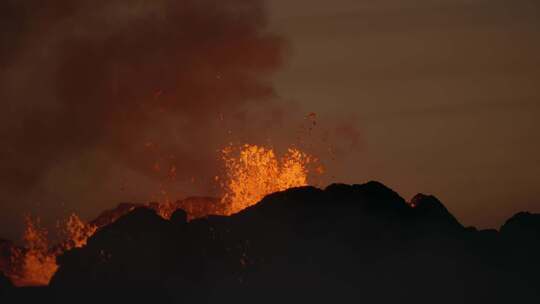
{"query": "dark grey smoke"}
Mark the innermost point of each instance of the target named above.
(152, 87)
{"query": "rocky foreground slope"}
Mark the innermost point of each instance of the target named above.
(360, 243)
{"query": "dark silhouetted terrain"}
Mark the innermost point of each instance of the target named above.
(358, 244)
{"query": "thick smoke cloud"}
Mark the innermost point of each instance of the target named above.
(154, 86)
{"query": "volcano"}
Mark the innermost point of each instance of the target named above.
(342, 243)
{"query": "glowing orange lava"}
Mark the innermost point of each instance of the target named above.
(35, 264)
(253, 172)
(77, 232)
(38, 263)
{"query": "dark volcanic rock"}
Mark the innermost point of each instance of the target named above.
(194, 207)
(359, 243)
(179, 217)
(131, 252)
(521, 245)
(111, 215)
(523, 226)
(434, 216)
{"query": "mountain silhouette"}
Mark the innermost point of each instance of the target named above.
(361, 243)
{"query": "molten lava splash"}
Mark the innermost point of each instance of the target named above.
(253, 172)
(77, 232)
(38, 261)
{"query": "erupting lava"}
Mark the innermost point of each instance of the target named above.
(77, 232)
(251, 173)
(39, 261)
(35, 264)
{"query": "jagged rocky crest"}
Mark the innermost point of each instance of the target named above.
(344, 243)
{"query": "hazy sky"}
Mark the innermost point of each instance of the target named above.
(445, 93)
(433, 96)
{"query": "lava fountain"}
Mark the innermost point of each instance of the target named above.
(253, 172)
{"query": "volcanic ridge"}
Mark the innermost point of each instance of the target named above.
(343, 243)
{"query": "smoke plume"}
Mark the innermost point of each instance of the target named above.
(150, 89)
